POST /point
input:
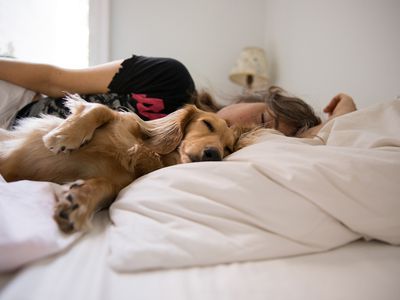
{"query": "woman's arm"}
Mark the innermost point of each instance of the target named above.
(339, 105)
(55, 81)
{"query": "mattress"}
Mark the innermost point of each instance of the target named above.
(360, 270)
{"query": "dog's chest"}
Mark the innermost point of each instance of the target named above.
(116, 152)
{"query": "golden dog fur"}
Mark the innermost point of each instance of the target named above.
(96, 152)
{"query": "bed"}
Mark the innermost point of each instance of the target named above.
(360, 270)
(284, 218)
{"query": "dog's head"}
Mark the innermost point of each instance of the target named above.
(206, 138)
(197, 135)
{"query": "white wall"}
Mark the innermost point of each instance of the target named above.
(205, 35)
(42, 31)
(320, 47)
(316, 48)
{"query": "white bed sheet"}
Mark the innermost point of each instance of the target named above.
(360, 270)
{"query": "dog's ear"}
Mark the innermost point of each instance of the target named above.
(164, 135)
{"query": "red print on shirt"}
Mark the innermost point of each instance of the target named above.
(149, 107)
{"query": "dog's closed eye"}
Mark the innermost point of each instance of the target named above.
(209, 125)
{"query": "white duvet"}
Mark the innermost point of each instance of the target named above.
(279, 197)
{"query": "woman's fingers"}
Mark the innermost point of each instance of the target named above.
(332, 104)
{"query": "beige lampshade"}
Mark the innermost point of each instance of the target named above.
(250, 70)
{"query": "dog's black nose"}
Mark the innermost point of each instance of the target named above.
(211, 154)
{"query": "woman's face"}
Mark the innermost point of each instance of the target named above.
(244, 114)
(249, 114)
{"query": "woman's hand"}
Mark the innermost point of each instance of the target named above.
(339, 105)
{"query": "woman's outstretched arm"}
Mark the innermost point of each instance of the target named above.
(339, 105)
(55, 81)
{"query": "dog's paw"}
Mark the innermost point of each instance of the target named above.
(72, 212)
(58, 141)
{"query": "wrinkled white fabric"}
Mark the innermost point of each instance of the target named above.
(12, 99)
(27, 229)
(279, 197)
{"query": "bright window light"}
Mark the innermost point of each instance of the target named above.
(46, 31)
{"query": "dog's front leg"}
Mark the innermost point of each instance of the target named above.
(79, 127)
(77, 202)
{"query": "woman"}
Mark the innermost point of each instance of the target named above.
(154, 87)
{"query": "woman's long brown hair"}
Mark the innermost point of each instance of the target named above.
(293, 111)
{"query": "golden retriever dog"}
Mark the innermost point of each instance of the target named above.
(97, 151)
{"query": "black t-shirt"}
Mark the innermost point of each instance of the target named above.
(151, 87)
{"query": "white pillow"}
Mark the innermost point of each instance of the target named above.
(27, 229)
(279, 197)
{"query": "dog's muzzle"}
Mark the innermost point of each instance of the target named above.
(211, 154)
(208, 154)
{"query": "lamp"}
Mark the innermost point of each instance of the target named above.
(250, 70)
